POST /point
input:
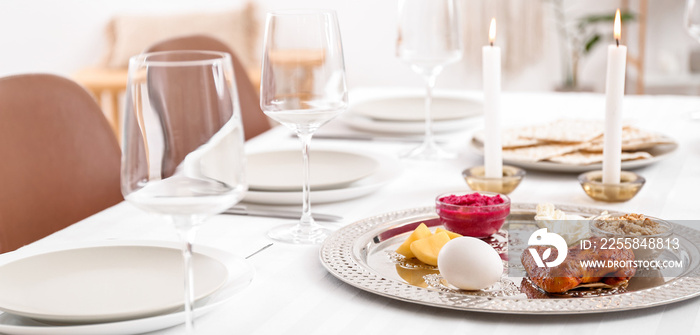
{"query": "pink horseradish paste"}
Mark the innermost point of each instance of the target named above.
(473, 214)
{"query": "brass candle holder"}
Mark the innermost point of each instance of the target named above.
(629, 186)
(475, 178)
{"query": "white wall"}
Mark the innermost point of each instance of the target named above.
(64, 36)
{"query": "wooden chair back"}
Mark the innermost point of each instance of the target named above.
(60, 158)
(254, 120)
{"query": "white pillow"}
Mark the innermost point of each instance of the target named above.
(129, 35)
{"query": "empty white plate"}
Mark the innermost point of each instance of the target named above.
(282, 170)
(397, 110)
(408, 127)
(412, 108)
(389, 169)
(103, 284)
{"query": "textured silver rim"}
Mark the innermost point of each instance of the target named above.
(338, 258)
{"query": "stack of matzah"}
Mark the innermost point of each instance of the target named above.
(571, 141)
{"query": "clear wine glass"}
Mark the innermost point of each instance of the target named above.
(692, 19)
(302, 87)
(182, 152)
(692, 25)
(428, 39)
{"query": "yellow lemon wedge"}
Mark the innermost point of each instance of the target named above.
(415, 276)
(449, 233)
(428, 248)
(420, 232)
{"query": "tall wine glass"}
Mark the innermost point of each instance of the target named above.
(692, 18)
(428, 39)
(692, 25)
(182, 154)
(302, 87)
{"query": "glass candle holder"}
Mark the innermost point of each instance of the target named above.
(512, 176)
(629, 186)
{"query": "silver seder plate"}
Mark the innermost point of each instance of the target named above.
(361, 254)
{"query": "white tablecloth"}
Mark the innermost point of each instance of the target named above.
(293, 294)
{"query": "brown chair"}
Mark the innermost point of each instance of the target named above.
(254, 120)
(60, 158)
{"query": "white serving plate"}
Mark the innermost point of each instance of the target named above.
(411, 107)
(658, 152)
(388, 169)
(103, 284)
(402, 111)
(282, 170)
(240, 273)
(408, 128)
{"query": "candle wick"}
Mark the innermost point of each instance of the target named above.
(491, 42)
(617, 41)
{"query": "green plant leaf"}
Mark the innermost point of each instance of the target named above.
(596, 18)
(591, 42)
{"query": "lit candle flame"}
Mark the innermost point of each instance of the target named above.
(492, 31)
(617, 30)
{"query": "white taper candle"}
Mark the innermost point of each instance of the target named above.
(614, 93)
(491, 63)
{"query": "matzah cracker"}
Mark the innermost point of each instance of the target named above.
(540, 152)
(509, 139)
(633, 139)
(565, 131)
(634, 145)
(587, 158)
(572, 142)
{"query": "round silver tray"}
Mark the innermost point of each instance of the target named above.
(358, 254)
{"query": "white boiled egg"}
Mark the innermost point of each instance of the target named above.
(469, 263)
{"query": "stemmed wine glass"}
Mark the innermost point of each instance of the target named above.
(692, 18)
(302, 87)
(428, 39)
(183, 153)
(692, 25)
